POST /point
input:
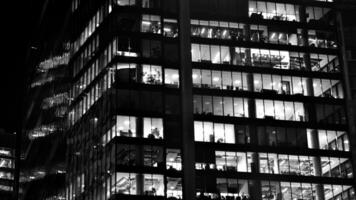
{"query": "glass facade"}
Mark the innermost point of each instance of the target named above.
(268, 103)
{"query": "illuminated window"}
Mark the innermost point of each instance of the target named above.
(153, 185)
(174, 188)
(171, 77)
(275, 11)
(170, 28)
(214, 132)
(152, 74)
(281, 110)
(126, 2)
(173, 159)
(231, 161)
(151, 24)
(210, 54)
(153, 128)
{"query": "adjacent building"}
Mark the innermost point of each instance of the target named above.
(347, 28)
(209, 99)
(7, 164)
(43, 157)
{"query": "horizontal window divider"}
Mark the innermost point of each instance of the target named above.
(275, 177)
(148, 87)
(268, 122)
(135, 197)
(260, 45)
(252, 69)
(148, 170)
(259, 95)
(269, 149)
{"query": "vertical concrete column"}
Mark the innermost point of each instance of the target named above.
(246, 32)
(247, 35)
(255, 185)
(306, 57)
(139, 73)
(139, 127)
(188, 148)
(309, 107)
(250, 85)
(302, 13)
(139, 157)
(317, 164)
(303, 19)
(232, 56)
(310, 87)
(139, 184)
(248, 59)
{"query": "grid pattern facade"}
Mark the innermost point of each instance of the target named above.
(268, 103)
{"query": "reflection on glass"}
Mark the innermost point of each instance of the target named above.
(321, 39)
(328, 88)
(324, 63)
(315, 14)
(331, 140)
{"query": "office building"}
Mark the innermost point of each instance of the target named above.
(208, 99)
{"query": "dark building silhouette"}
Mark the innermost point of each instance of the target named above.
(204, 99)
(347, 27)
(43, 163)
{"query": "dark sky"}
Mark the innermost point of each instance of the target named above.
(26, 23)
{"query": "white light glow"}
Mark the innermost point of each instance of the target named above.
(175, 76)
(146, 22)
(216, 58)
(237, 82)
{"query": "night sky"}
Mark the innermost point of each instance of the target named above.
(29, 26)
